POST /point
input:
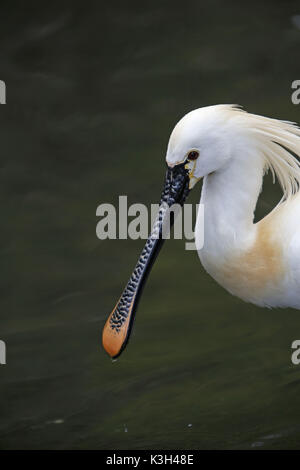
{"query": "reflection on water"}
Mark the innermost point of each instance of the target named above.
(92, 95)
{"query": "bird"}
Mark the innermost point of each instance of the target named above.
(230, 150)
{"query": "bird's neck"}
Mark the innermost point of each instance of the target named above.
(229, 197)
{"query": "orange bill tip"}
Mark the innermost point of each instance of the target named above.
(115, 339)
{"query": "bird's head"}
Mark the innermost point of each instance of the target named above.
(200, 141)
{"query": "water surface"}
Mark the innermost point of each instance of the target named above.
(93, 91)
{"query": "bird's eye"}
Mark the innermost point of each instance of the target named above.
(193, 155)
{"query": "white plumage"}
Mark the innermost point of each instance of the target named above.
(259, 262)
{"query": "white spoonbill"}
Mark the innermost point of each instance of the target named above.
(231, 150)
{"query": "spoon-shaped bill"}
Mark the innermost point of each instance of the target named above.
(118, 326)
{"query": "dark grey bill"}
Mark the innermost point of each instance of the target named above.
(119, 324)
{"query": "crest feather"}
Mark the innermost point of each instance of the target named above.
(279, 143)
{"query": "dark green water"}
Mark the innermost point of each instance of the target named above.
(93, 91)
